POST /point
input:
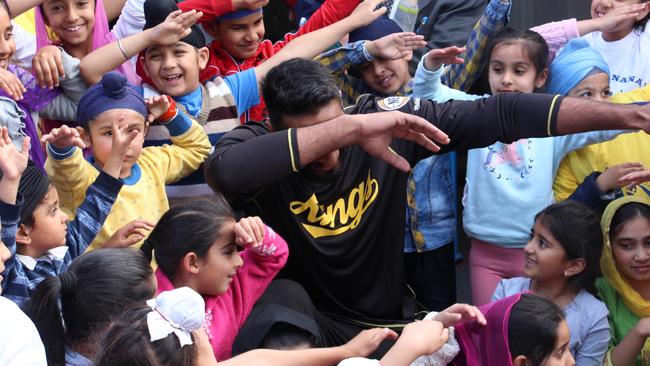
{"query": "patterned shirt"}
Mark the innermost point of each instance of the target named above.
(22, 273)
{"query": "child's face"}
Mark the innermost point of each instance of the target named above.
(72, 21)
(7, 43)
(561, 355)
(239, 37)
(49, 228)
(511, 70)
(594, 87)
(545, 256)
(218, 268)
(175, 69)
(100, 137)
(631, 250)
(386, 76)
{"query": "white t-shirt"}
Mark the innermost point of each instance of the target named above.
(627, 59)
(20, 343)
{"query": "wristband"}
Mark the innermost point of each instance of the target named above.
(171, 111)
(119, 45)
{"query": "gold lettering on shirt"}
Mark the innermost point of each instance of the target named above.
(343, 215)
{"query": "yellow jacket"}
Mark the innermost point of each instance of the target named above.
(143, 194)
(631, 147)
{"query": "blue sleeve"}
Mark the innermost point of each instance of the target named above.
(590, 195)
(596, 341)
(243, 86)
(500, 292)
(92, 213)
(428, 85)
(15, 283)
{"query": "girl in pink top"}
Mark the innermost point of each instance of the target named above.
(199, 244)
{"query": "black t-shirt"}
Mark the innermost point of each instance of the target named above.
(346, 232)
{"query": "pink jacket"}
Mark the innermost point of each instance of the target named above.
(226, 313)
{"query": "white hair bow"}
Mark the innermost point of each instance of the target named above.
(179, 311)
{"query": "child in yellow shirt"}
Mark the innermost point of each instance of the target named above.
(144, 171)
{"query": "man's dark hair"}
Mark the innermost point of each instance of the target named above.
(297, 87)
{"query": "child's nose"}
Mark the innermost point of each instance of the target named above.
(71, 14)
(5, 50)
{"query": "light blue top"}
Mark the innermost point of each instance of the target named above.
(585, 315)
(506, 184)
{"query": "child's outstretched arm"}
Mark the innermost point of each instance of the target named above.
(12, 165)
(418, 339)
(312, 44)
(215, 8)
(175, 27)
(362, 345)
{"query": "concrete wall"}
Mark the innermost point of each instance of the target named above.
(528, 13)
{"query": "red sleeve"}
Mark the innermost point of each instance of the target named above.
(210, 8)
(330, 12)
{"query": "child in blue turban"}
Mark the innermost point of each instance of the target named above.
(579, 71)
(145, 171)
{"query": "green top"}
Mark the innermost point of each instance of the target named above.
(621, 319)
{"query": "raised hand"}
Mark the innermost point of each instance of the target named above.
(443, 56)
(635, 178)
(129, 234)
(249, 231)
(395, 46)
(611, 178)
(367, 341)
(366, 13)
(618, 15)
(12, 161)
(121, 139)
(157, 106)
(11, 84)
(249, 4)
(458, 313)
(47, 66)
(63, 137)
(377, 130)
(175, 27)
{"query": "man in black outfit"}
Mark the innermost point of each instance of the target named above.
(324, 179)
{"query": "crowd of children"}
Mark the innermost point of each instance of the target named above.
(175, 189)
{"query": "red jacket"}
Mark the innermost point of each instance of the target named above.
(222, 64)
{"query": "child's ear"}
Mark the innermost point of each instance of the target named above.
(84, 136)
(144, 66)
(520, 361)
(212, 28)
(191, 263)
(22, 235)
(204, 57)
(574, 267)
(540, 80)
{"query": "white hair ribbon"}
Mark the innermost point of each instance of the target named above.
(179, 311)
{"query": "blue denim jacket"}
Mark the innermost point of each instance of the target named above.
(430, 209)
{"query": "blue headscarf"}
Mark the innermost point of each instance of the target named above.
(576, 61)
(113, 92)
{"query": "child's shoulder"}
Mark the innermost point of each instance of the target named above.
(590, 304)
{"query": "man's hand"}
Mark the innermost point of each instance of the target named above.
(11, 84)
(366, 13)
(377, 130)
(175, 27)
(63, 137)
(611, 178)
(443, 56)
(395, 46)
(12, 161)
(129, 234)
(47, 66)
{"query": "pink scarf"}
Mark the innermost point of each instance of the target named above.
(101, 37)
(486, 345)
